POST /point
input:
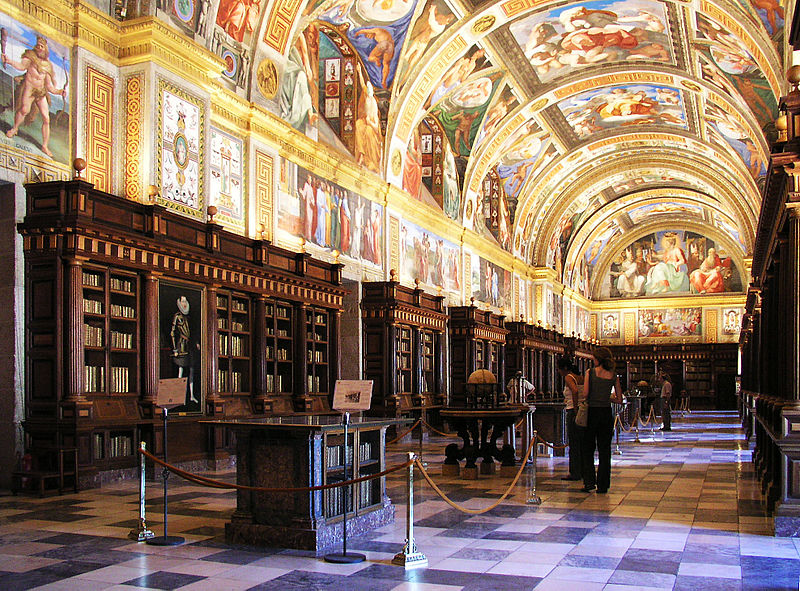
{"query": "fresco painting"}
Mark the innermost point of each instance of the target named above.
(622, 106)
(491, 284)
(239, 18)
(561, 41)
(429, 258)
(227, 176)
(673, 322)
(430, 24)
(461, 112)
(730, 132)
(34, 92)
(643, 212)
(727, 64)
(609, 325)
(473, 61)
(377, 31)
(670, 262)
(503, 104)
(558, 245)
(731, 321)
(298, 101)
(730, 229)
(522, 158)
(331, 217)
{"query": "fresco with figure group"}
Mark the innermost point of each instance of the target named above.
(330, 216)
(666, 263)
(561, 41)
(491, 284)
(622, 106)
(34, 92)
(429, 258)
(673, 322)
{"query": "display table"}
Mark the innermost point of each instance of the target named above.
(303, 451)
(480, 429)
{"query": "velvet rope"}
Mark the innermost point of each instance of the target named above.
(210, 482)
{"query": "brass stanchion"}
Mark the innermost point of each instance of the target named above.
(637, 419)
(617, 424)
(533, 498)
(410, 557)
(140, 533)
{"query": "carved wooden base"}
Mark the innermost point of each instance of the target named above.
(324, 538)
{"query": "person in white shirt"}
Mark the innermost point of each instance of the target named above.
(572, 386)
(518, 389)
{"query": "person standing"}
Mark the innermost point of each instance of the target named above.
(575, 433)
(666, 396)
(598, 384)
(518, 389)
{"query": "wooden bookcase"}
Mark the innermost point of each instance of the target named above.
(477, 341)
(403, 349)
(102, 278)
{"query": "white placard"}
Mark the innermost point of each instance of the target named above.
(352, 395)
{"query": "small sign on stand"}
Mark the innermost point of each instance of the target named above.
(171, 393)
(349, 395)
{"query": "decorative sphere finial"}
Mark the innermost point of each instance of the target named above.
(793, 76)
(392, 274)
(212, 211)
(79, 164)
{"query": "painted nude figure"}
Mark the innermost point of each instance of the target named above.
(37, 84)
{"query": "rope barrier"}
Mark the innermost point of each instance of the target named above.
(210, 482)
(399, 437)
(455, 505)
(442, 433)
(550, 445)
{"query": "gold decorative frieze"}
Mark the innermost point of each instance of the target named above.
(630, 327)
(279, 24)
(265, 171)
(134, 89)
(99, 128)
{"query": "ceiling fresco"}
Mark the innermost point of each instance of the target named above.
(551, 112)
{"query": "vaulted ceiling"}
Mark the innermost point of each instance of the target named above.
(562, 130)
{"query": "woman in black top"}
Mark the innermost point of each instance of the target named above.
(597, 387)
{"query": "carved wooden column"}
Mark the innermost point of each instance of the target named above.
(214, 405)
(150, 340)
(259, 353)
(74, 332)
(793, 311)
(302, 393)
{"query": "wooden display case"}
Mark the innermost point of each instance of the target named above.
(256, 328)
(477, 341)
(403, 349)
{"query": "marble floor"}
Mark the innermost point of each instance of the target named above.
(683, 512)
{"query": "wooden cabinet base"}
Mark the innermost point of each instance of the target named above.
(321, 538)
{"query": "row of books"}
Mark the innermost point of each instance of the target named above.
(237, 346)
(314, 383)
(366, 451)
(123, 311)
(335, 456)
(94, 377)
(271, 383)
(121, 340)
(119, 446)
(92, 279)
(316, 356)
(119, 379)
(239, 306)
(334, 498)
(230, 381)
(92, 335)
(92, 306)
(120, 284)
(238, 326)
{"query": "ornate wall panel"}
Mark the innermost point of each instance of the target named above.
(265, 167)
(99, 128)
(630, 328)
(711, 326)
(134, 90)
